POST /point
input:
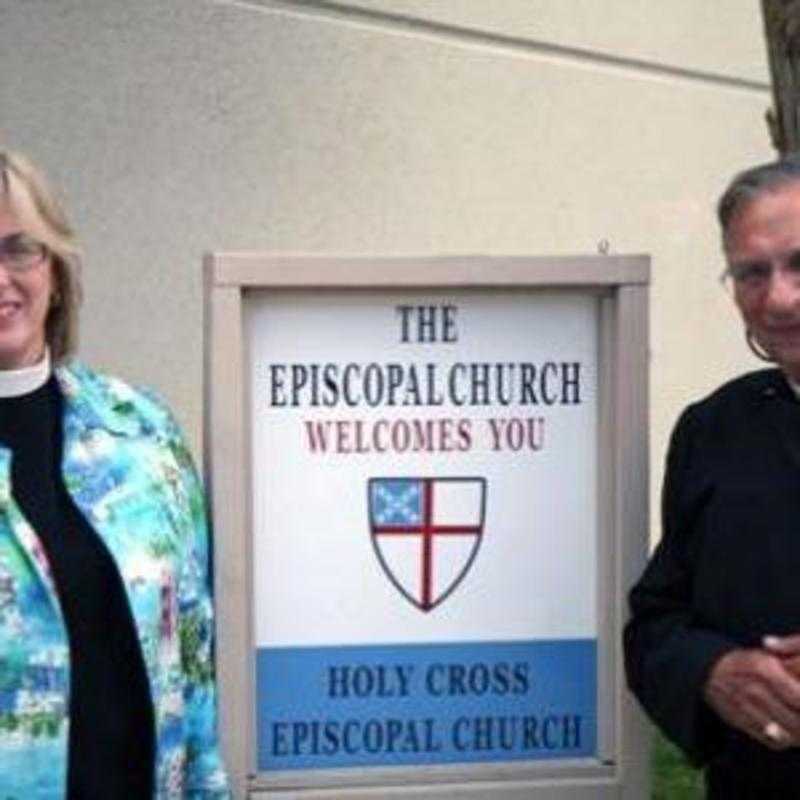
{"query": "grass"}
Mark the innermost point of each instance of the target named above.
(673, 778)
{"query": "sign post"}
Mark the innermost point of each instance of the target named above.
(429, 494)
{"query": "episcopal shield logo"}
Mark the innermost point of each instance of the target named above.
(426, 533)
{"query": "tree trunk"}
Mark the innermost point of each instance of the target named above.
(782, 29)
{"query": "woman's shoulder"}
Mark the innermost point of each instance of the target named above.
(115, 399)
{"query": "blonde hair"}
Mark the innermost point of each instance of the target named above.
(25, 193)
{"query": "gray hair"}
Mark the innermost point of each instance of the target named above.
(24, 192)
(752, 183)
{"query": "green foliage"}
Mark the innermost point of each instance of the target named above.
(37, 724)
(8, 722)
(43, 723)
(673, 777)
(193, 648)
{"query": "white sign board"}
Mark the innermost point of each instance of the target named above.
(424, 474)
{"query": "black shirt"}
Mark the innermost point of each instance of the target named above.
(111, 743)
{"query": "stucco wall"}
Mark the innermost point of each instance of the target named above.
(386, 126)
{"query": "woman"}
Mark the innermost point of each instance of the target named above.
(713, 645)
(106, 678)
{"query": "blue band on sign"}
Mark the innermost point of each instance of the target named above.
(396, 705)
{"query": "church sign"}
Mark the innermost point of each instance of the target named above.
(416, 469)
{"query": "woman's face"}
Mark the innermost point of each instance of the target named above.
(764, 240)
(24, 302)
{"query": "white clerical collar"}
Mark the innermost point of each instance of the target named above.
(16, 382)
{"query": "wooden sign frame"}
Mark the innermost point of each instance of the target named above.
(621, 285)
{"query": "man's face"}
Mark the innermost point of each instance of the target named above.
(763, 251)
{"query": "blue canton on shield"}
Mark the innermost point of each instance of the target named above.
(397, 502)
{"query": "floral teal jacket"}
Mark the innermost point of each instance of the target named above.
(129, 472)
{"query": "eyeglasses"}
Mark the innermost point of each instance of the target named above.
(754, 276)
(20, 252)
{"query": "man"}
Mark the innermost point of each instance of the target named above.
(713, 645)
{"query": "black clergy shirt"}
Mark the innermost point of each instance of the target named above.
(111, 743)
